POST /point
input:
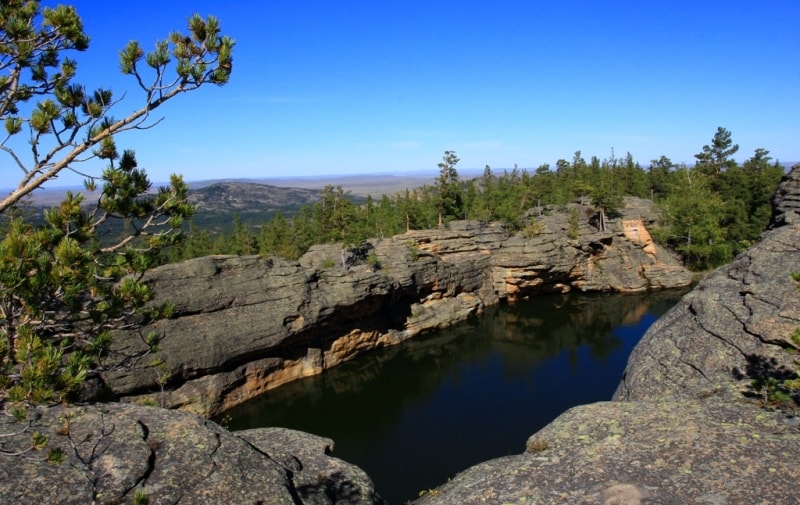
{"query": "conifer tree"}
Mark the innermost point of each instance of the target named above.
(450, 200)
(691, 216)
(63, 287)
(716, 157)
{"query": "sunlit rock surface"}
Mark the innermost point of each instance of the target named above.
(112, 453)
(245, 325)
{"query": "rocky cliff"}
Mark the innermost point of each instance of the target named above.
(245, 325)
(686, 425)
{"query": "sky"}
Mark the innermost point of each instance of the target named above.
(353, 87)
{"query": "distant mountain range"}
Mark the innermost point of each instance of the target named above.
(256, 201)
(357, 185)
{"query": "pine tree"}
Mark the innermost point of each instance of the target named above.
(690, 223)
(63, 287)
(449, 196)
(716, 157)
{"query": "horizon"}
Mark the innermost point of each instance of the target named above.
(354, 88)
(308, 181)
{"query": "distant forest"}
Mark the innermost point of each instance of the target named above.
(708, 212)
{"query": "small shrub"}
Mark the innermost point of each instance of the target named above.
(413, 250)
(574, 221)
(532, 229)
(535, 445)
(56, 456)
(147, 402)
(140, 497)
(362, 253)
(38, 440)
(225, 421)
(373, 261)
(19, 412)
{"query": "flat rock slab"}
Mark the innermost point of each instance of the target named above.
(629, 453)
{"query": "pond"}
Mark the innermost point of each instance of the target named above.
(414, 415)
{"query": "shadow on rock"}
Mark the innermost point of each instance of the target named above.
(338, 488)
(768, 381)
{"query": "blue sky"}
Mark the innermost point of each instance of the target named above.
(347, 87)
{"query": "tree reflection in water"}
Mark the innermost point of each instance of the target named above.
(414, 415)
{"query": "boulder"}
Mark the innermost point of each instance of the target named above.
(111, 453)
(631, 453)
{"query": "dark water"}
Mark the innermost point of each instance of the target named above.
(414, 415)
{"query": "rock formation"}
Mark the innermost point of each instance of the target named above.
(109, 453)
(686, 425)
(245, 325)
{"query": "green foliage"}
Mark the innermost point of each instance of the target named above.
(64, 283)
(609, 202)
(373, 261)
(140, 497)
(62, 291)
(532, 229)
(715, 158)
(573, 224)
(715, 210)
(708, 213)
(414, 251)
(38, 441)
(449, 202)
(70, 124)
(243, 241)
(776, 392)
(56, 456)
(690, 220)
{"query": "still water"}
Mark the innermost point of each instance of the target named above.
(414, 415)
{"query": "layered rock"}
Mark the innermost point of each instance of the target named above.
(687, 425)
(245, 325)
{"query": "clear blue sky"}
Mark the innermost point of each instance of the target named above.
(343, 87)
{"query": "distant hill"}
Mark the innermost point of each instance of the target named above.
(375, 185)
(254, 203)
(249, 197)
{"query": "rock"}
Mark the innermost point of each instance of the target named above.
(245, 325)
(631, 453)
(786, 199)
(686, 425)
(734, 326)
(317, 477)
(110, 452)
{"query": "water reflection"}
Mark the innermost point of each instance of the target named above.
(414, 415)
